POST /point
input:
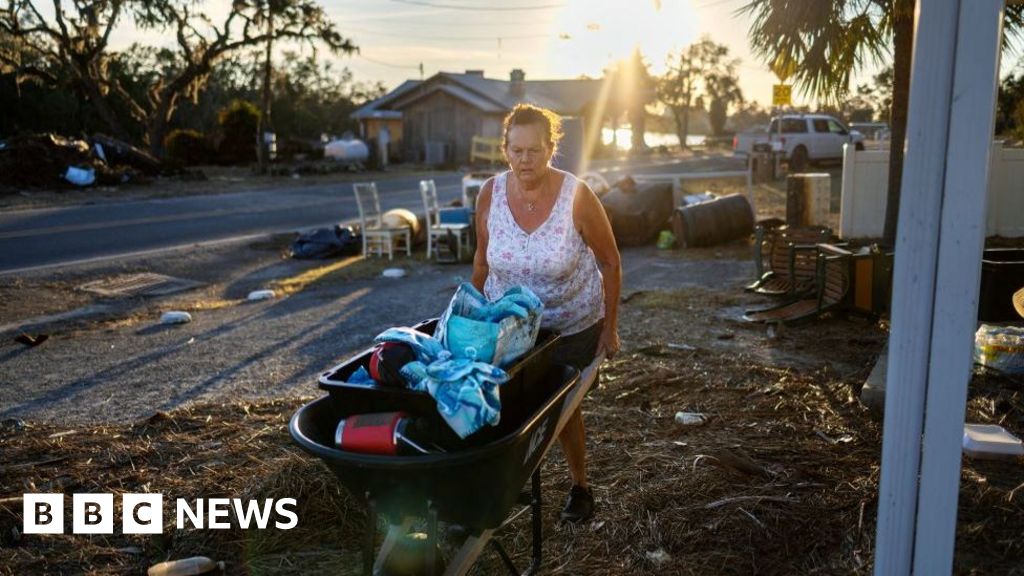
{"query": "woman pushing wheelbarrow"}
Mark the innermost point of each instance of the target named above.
(543, 228)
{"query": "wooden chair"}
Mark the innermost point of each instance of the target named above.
(791, 258)
(377, 235)
(454, 231)
(832, 286)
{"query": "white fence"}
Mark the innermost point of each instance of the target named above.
(866, 178)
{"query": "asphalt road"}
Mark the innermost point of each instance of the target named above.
(32, 239)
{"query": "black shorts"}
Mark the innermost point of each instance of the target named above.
(579, 349)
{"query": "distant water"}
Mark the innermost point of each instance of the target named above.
(652, 139)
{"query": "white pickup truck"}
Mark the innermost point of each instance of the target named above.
(801, 138)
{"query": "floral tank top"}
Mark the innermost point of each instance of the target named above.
(553, 261)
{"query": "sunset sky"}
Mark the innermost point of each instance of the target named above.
(548, 39)
(552, 39)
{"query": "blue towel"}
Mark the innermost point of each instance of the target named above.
(466, 391)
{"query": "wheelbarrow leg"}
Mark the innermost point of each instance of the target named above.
(535, 511)
(431, 538)
(371, 535)
(468, 553)
(395, 533)
(505, 558)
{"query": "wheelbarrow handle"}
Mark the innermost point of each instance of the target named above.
(587, 378)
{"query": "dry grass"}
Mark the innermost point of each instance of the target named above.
(782, 479)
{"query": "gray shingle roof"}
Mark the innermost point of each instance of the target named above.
(373, 109)
(567, 97)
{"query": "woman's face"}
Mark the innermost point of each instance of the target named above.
(528, 152)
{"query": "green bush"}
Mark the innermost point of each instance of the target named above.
(239, 122)
(188, 147)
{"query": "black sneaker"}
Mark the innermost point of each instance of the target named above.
(579, 506)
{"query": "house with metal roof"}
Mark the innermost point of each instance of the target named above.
(440, 116)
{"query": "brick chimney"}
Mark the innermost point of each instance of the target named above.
(479, 73)
(518, 85)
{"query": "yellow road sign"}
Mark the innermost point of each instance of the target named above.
(782, 95)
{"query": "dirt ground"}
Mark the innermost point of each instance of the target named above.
(781, 479)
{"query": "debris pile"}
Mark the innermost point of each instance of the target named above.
(53, 161)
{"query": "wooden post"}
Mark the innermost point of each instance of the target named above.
(938, 249)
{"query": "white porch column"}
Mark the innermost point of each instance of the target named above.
(935, 291)
(961, 243)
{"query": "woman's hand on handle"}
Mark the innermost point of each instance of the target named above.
(608, 345)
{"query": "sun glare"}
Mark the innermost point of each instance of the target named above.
(603, 31)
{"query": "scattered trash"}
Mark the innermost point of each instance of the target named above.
(261, 295)
(1000, 347)
(48, 161)
(30, 340)
(326, 243)
(698, 198)
(80, 176)
(185, 567)
(133, 550)
(638, 212)
(175, 317)
(991, 441)
(675, 346)
(690, 418)
(658, 557)
(12, 425)
(844, 439)
(119, 152)
(393, 273)
(666, 240)
(714, 222)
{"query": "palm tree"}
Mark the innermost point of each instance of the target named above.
(824, 43)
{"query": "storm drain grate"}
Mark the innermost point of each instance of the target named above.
(145, 284)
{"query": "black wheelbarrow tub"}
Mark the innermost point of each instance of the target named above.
(385, 399)
(475, 487)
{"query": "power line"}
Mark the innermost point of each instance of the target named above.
(480, 8)
(440, 37)
(388, 64)
(711, 3)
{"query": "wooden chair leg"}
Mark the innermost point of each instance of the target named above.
(408, 242)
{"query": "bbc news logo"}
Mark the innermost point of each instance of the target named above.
(144, 513)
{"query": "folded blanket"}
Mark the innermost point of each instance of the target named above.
(466, 391)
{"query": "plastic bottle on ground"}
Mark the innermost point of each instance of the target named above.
(185, 567)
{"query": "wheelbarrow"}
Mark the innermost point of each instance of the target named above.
(475, 487)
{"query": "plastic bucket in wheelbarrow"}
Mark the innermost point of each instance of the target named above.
(475, 487)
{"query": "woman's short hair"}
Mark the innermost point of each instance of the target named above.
(524, 114)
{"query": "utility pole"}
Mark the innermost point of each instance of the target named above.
(265, 125)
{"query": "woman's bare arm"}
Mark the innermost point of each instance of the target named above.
(593, 224)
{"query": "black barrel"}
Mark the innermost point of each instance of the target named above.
(1002, 274)
(713, 222)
